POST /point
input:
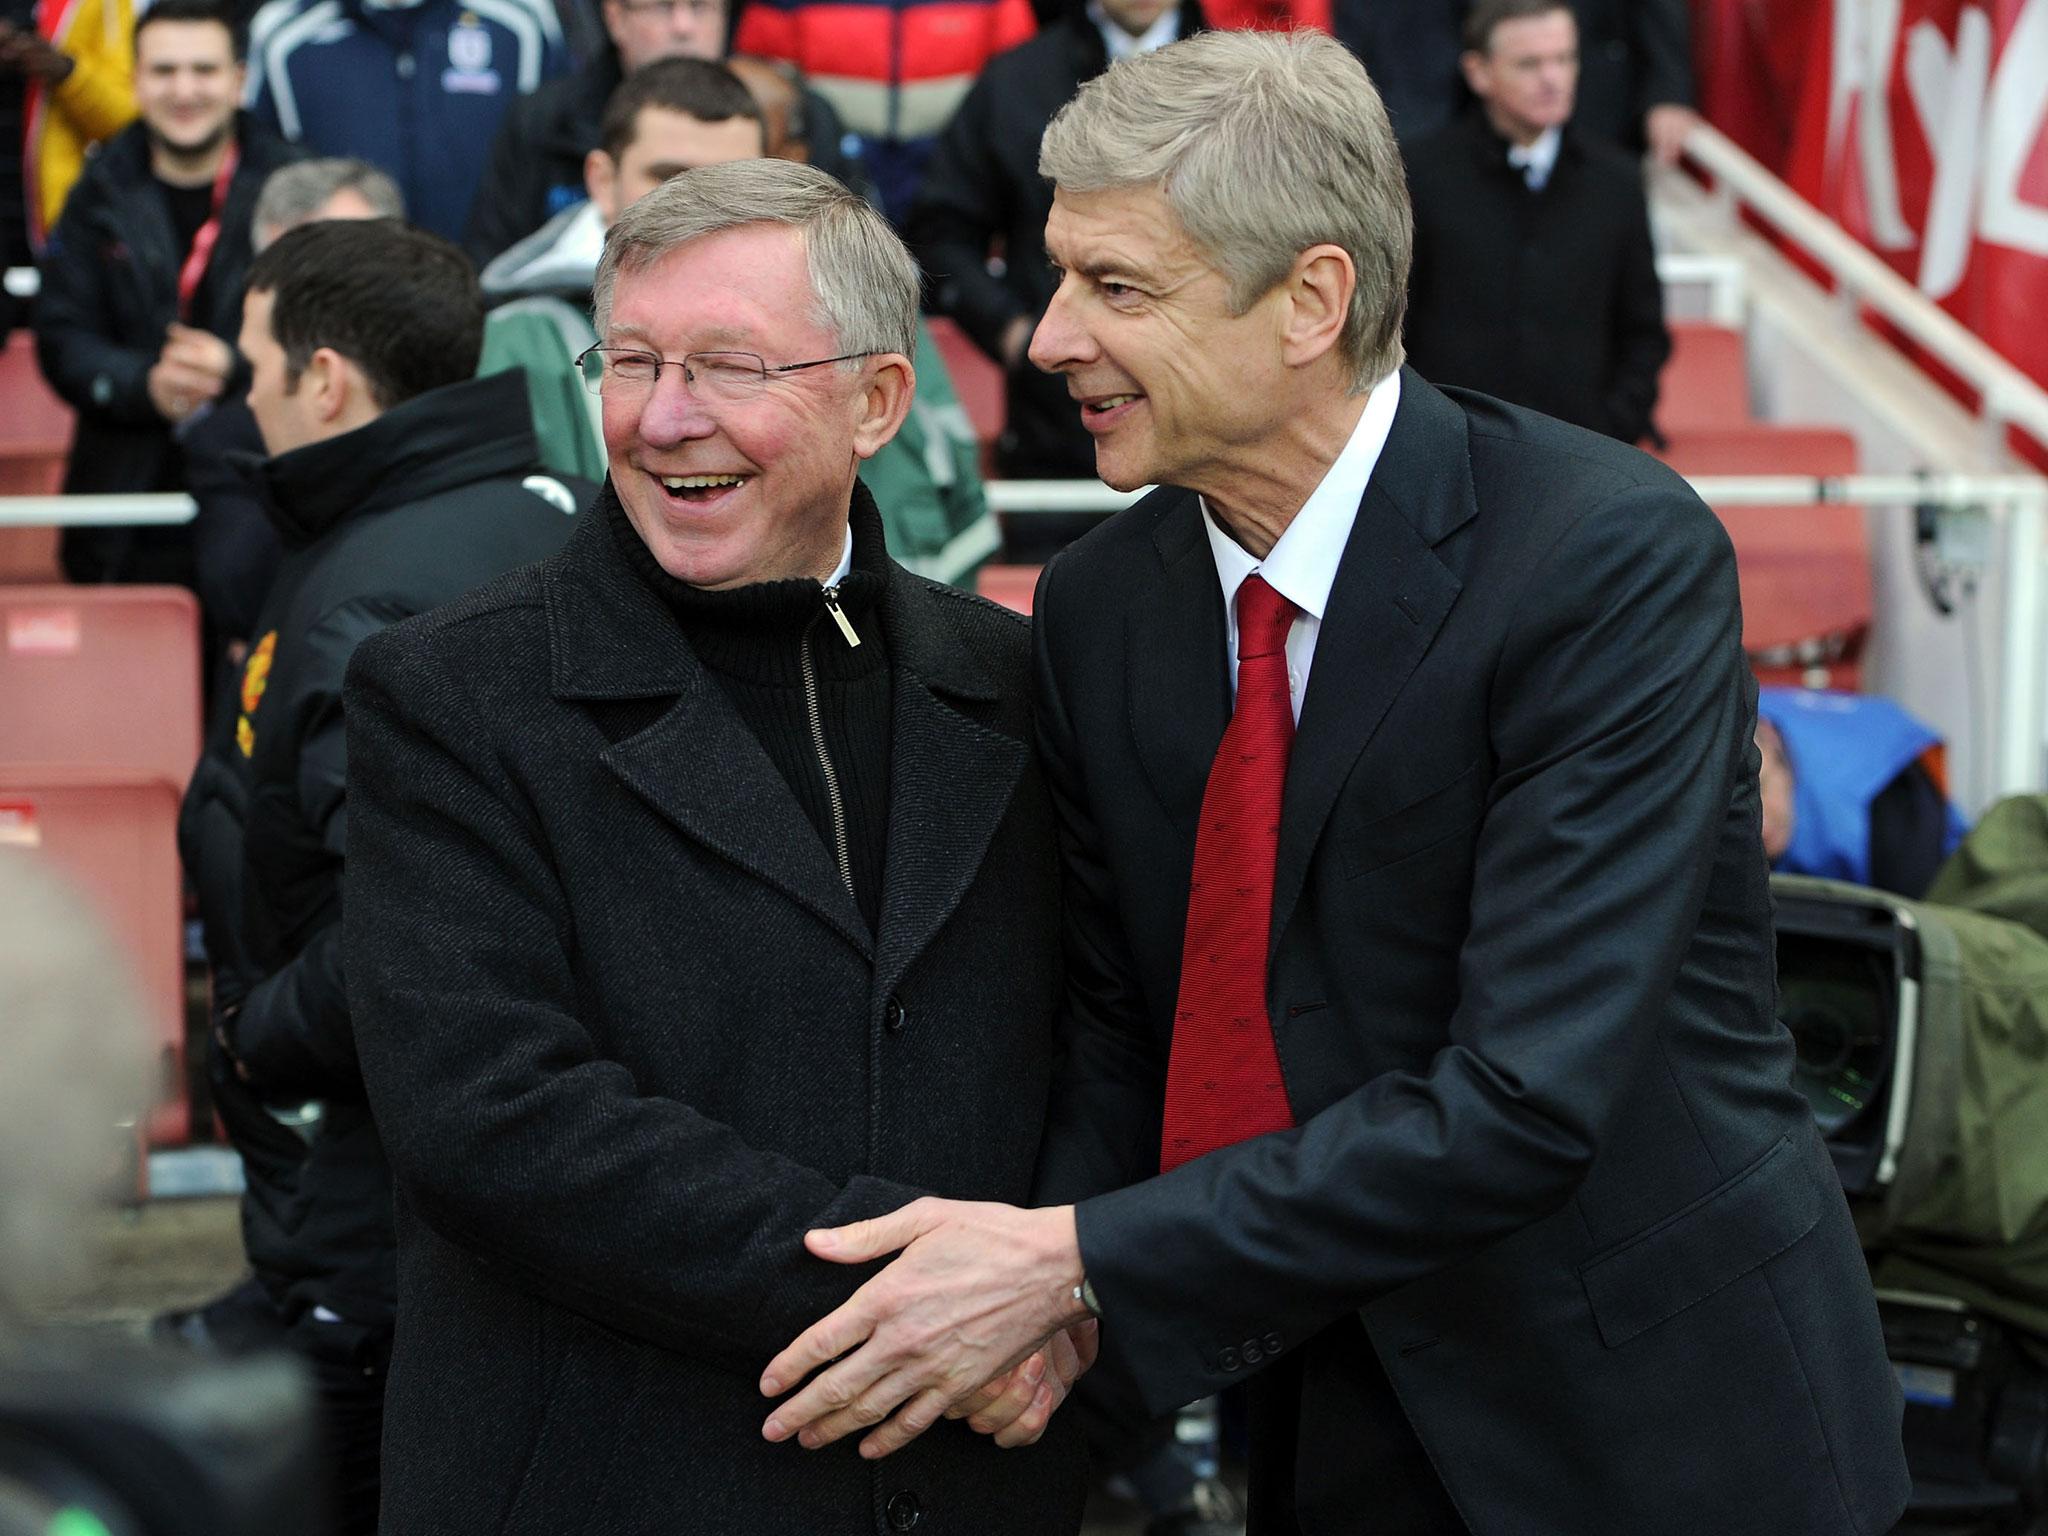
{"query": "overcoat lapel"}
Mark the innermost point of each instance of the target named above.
(951, 778)
(1179, 666)
(1391, 596)
(698, 765)
(702, 769)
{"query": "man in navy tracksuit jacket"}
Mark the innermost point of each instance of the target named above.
(417, 89)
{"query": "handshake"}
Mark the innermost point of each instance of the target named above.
(979, 1317)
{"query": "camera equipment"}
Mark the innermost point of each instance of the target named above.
(100, 1439)
(1922, 1037)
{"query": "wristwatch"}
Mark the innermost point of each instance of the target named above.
(1084, 1293)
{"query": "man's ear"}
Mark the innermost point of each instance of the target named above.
(600, 177)
(883, 402)
(1319, 287)
(332, 385)
(1478, 73)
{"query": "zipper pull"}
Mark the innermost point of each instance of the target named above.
(839, 617)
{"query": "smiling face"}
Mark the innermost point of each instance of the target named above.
(186, 84)
(1175, 389)
(730, 492)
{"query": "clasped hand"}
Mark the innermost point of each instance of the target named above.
(974, 1319)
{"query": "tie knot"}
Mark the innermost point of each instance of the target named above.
(1263, 619)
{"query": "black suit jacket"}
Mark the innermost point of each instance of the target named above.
(1548, 1148)
(1549, 299)
(627, 1038)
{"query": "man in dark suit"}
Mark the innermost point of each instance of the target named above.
(701, 891)
(1421, 1065)
(1534, 277)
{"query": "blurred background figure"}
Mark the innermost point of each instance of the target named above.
(97, 1435)
(77, 1070)
(417, 89)
(67, 81)
(983, 193)
(1534, 279)
(398, 481)
(1854, 789)
(894, 73)
(142, 281)
(536, 165)
(1635, 74)
(235, 545)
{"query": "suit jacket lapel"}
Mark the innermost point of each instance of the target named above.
(1390, 598)
(951, 778)
(698, 765)
(1179, 666)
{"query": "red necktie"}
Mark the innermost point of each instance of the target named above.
(1223, 1076)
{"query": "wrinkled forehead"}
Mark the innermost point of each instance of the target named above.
(746, 289)
(1126, 229)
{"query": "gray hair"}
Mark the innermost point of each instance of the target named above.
(293, 194)
(864, 284)
(1263, 144)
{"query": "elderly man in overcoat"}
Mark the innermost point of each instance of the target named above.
(702, 891)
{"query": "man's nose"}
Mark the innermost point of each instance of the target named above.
(1060, 342)
(670, 413)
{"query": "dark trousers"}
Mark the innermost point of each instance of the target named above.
(349, 1369)
(1368, 1474)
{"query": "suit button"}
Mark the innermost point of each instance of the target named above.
(893, 1015)
(903, 1511)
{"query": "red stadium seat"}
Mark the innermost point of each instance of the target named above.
(1010, 585)
(1805, 570)
(1705, 383)
(35, 437)
(99, 730)
(976, 380)
(115, 836)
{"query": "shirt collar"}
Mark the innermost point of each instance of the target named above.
(1302, 565)
(845, 565)
(1121, 44)
(1541, 156)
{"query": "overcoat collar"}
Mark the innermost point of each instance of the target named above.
(1390, 598)
(610, 637)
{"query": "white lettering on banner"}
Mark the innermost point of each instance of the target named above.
(1865, 36)
(1980, 121)
(2019, 111)
(1948, 93)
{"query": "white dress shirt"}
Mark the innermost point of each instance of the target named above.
(1536, 161)
(1121, 44)
(1302, 565)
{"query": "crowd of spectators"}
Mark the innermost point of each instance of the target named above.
(165, 151)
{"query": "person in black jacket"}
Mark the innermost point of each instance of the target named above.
(1635, 74)
(536, 167)
(701, 888)
(983, 186)
(1534, 276)
(142, 281)
(399, 482)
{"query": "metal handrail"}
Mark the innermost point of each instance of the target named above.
(2005, 394)
(1027, 497)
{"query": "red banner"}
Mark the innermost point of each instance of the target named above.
(1920, 125)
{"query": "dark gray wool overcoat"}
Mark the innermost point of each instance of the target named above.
(627, 1038)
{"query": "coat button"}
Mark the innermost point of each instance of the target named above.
(893, 1015)
(903, 1511)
